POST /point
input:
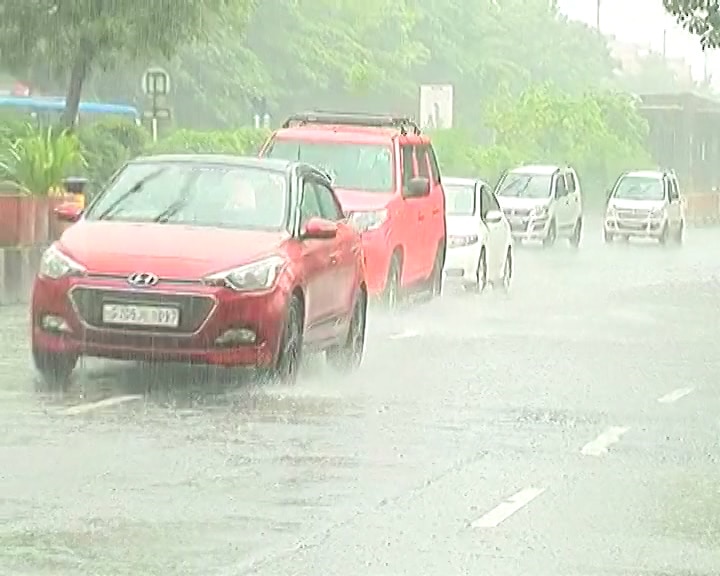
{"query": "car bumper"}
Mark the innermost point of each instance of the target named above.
(637, 228)
(378, 253)
(461, 263)
(529, 228)
(216, 324)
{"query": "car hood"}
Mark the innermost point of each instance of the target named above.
(462, 225)
(636, 204)
(509, 203)
(167, 250)
(362, 201)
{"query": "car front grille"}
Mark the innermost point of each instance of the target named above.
(517, 213)
(194, 309)
(633, 214)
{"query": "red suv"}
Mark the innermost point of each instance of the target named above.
(387, 178)
(203, 259)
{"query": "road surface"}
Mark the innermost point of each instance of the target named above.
(569, 428)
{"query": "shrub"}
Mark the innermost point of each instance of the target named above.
(244, 141)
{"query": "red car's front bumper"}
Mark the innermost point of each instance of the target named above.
(216, 324)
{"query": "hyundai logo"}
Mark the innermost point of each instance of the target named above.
(143, 279)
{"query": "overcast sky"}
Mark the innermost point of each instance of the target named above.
(643, 22)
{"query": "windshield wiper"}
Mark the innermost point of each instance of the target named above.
(171, 210)
(137, 187)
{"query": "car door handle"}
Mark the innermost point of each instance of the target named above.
(421, 218)
(333, 259)
(436, 212)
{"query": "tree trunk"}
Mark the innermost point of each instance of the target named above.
(78, 75)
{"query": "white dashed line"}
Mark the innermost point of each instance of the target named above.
(675, 395)
(600, 445)
(504, 510)
(406, 334)
(106, 403)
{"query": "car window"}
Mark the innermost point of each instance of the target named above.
(632, 187)
(329, 207)
(525, 185)
(408, 167)
(367, 167)
(460, 199)
(422, 161)
(434, 168)
(674, 191)
(488, 202)
(560, 188)
(571, 183)
(194, 194)
(310, 206)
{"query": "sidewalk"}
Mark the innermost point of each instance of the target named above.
(17, 270)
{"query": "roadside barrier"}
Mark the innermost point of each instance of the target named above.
(702, 209)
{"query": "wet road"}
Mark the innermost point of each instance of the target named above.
(569, 428)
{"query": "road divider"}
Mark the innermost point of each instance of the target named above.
(702, 209)
(505, 509)
(602, 443)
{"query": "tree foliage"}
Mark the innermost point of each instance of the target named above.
(700, 17)
(73, 37)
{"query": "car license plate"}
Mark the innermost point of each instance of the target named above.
(138, 315)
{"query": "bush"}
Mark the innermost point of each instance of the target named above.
(244, 142)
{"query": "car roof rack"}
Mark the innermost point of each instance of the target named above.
(403, 123)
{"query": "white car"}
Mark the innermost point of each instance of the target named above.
(542, 203)
(645, 204)
(479, 240)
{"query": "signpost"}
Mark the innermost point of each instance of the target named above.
(156, 85)
(436, 106)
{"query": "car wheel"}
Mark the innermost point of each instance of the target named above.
(391, 295)
(436, 277)
(348, 356)
(481, 276)
(577, 234)
(289, 359)
(609, 237)
(664, 235)
(504, 282)
(55, 369)
(680, 235)
(551, 237)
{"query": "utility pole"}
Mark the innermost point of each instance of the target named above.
(597, 15)
(664, 45)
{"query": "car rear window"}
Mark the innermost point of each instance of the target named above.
(365, 167)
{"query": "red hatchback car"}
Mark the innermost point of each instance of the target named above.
(203, 259)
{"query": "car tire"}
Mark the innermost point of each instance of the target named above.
(55, 370)
(505, 280)
(348, 356)
(436, 276)
(609, 237)
(391, 294)
(481, 275)
(549, 240)
(577, 234)
(680, 234)
(664, 235)
(289, 357)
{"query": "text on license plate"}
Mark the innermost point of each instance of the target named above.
(138, 315)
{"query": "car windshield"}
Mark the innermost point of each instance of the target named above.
(356, 166)
(459, 199)
(217, 195)
(639, 188)
(521, 185)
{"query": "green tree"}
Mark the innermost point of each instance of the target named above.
(701, 18)
(74, 37)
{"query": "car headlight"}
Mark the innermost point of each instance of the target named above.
(55, 265)
(365, 221)
(458, 241)
(611, 212)
(539, 212)
(260, 275)
(657, 213)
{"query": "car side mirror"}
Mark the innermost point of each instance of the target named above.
(494, 217)
(417, 188)
(319, 229)
(75, 185)
(68, 212)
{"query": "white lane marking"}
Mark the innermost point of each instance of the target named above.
(106, 403)
(405, 334)
(600, 445)
(505, 509)
(675, 395)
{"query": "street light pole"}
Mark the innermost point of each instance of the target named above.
(597, 15)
